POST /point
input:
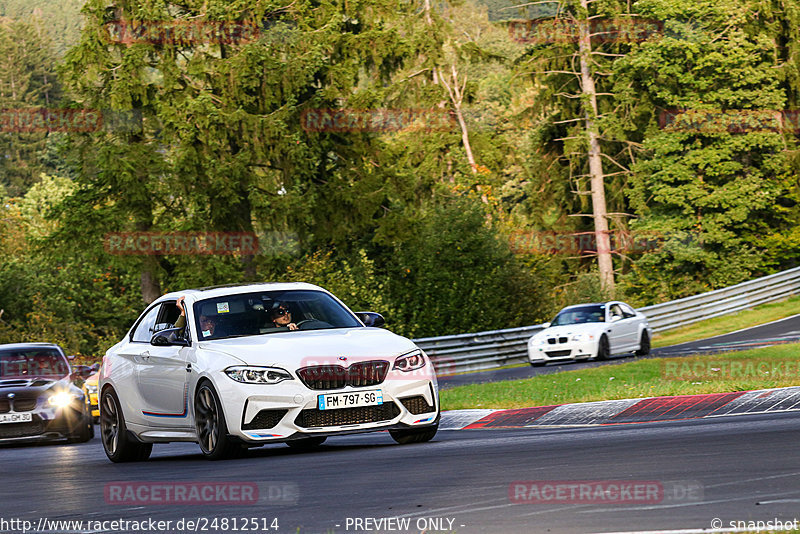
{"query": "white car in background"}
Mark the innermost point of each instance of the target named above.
(591, 331)
(246, 381)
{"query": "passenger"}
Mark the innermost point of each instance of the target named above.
(208, 324)
(181, 322)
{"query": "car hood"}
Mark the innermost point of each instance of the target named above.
(314, 347)
(32, 385)
(569, 329)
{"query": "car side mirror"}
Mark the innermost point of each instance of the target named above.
(545, 325)
(169, 337)
(371, 319)
(615, 318)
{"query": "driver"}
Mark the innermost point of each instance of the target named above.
(281, 317)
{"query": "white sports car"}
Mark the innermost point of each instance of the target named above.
(591, 331)
(258, 364)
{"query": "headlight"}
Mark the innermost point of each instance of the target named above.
(62, 399)
(537, 340)
(409, 362)
(257, 375)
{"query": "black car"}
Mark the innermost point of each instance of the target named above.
(38, 400)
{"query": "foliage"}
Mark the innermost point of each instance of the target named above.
(708, 183)
(210, 136)
(451, 273)
(27, 81)
(77, 300)
(60, 19)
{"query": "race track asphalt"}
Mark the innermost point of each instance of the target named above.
(743, 468)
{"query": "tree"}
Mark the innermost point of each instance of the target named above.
(27, 84)
(572, 53)
(221, 145)
(714, 171)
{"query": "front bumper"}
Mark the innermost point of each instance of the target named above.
(94, 405)
(47, 424)
(570, 350)
(289, 410)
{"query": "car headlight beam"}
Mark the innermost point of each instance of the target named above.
(62, 399)
(257, 375)
(410, 362)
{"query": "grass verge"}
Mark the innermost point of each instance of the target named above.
(730, 323)
(770, 367)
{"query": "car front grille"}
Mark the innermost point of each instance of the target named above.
(361, 374)
(558, 353)
(265, 419)
(21, 430)
(347, 416)
(5, 406)
(417, 405)
(24, 403)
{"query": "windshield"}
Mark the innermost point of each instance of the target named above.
(595, 313)
(30, 363)
(268, 312)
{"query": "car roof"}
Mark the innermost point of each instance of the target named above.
(235, 289)
(18, 346)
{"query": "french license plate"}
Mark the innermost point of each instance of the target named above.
(333, 401)
(15, 418)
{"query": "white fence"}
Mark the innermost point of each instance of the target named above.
(496, 348)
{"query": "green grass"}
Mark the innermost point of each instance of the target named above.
(643, 378)
(729, 323)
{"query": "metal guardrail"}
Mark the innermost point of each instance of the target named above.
(496, 348)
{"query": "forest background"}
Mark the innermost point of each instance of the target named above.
(431, 161)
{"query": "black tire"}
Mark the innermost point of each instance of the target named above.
(603, 349)
(644, 345)
(119, 446)
(404, 437)
(307, 444)
(538, 364)
(209, 421)
(85, 431)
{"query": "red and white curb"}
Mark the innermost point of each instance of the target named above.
(628, 411)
